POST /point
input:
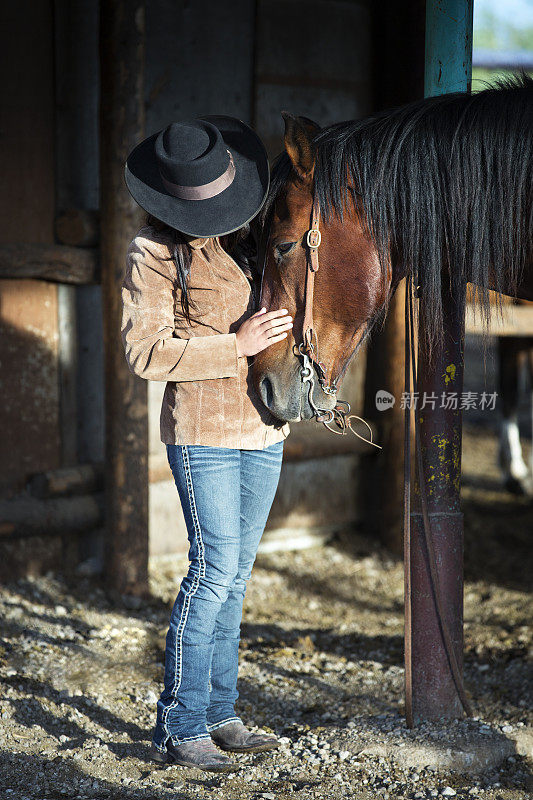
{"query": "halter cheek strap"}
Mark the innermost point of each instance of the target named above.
(314, 237)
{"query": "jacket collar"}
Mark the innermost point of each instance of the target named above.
(197, 244)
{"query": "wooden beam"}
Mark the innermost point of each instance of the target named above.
(320, 443)
(517, 320)
(28, 516)
(122, 25)
(49, 262)
(81, 479)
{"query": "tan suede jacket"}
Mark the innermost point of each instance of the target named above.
(209, 398)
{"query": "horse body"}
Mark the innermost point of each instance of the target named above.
(438, 190)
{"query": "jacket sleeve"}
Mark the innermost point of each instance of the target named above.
(153, 351)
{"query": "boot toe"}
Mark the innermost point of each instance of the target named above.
(237, 738)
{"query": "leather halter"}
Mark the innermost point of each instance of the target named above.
(313, 240)
(311, 366)
(308, 348)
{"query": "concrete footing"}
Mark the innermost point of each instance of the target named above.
(473, 753)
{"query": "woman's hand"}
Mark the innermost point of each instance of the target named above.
(261, 330)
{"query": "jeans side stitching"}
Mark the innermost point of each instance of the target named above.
(189, 738)
(185, 610)
(198, 537)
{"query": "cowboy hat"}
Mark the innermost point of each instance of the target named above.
(205, 177)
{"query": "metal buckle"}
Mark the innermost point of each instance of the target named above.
(306, 371)
(314, 237)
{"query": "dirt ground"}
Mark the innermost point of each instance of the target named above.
(320, 665)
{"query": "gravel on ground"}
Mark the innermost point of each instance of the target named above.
(321, 666)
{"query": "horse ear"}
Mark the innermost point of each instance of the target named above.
(299, 133)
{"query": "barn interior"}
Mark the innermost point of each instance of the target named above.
(92, 536)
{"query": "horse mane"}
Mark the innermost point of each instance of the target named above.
(446, 180)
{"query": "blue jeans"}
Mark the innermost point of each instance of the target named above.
(226, 495)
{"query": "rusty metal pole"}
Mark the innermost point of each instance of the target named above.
(121, 128)
(431, 691)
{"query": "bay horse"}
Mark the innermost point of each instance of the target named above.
(439, 189)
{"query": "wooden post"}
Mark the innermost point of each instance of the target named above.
(384, 371)
(122, 25)
(430, 687)
(398, 71)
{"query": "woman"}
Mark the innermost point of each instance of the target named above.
(198, 181)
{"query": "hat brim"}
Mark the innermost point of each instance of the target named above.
(216, 216)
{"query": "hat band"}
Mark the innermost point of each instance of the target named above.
(205, 190)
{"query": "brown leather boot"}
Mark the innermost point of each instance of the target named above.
(199, 753)
(237, 737)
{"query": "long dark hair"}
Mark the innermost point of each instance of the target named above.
(442, 181)
(240, 245)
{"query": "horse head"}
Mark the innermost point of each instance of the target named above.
(350, 286)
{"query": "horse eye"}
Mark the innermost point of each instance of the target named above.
(284, 247)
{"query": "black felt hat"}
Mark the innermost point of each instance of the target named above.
(205, 177)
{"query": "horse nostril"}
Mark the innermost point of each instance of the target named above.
(266, 391)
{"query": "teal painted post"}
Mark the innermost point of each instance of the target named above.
(431, 692)
(448, 63)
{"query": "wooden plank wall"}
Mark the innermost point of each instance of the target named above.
(311, 57)
(321, 71)
(29, 333)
